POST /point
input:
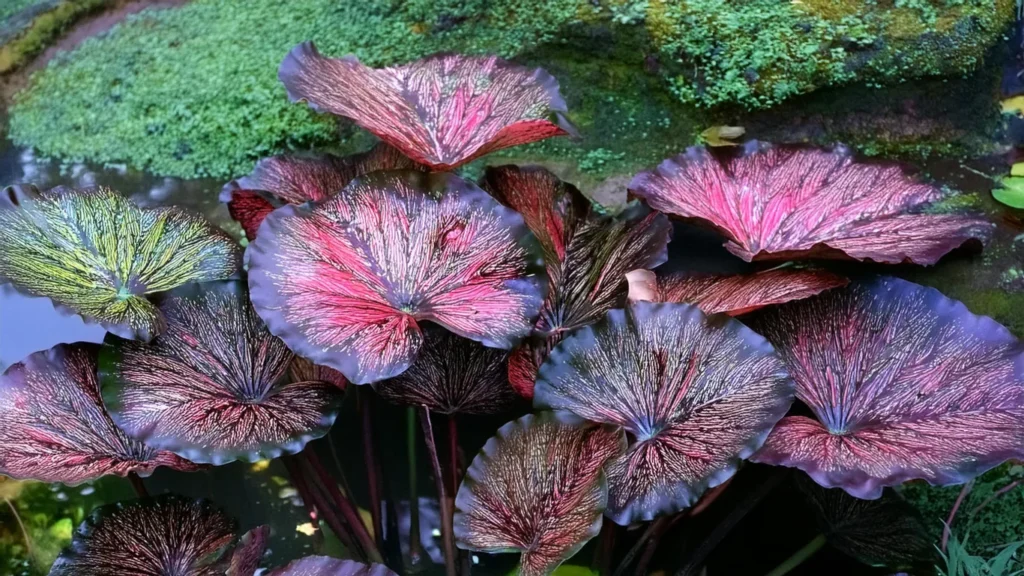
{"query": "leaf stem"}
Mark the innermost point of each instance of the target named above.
(997, 494)
(653, 528)
(344, 505)
(799, 556)
(415, 545)
(364, 402)
(24, 532)
(446, 502)
(947, 529)
(138, 485)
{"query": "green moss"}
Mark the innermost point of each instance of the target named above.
(42, 30)
(999, 523)
(13, 7)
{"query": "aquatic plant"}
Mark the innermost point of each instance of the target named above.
(652, 392)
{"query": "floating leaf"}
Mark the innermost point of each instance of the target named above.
(247, 555)
(442, 111)
(697, 394)
(95, 253)
(292, 179)
(453, 375)
(345, 281)
(733, 294)
(537, 487)
(722, 135)
(213, 388)
(1011, 193)
(53, 426)
(779, 203)
(327, 566)
(1013, 105)
(168, 534)
(903, 382)
(587, 256)
(887, 531)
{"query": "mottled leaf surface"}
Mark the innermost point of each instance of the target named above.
(733, 294)
(245, 558)
(346, 281)
(294, 179)
(327, 566)
(153, 537)
(886, 531)
(442, 111)
(453, 375)
(903, 382)
(586, 254)
(53, 427)
(537, 487)
(214, 388)
(784, 203)
(697, 395)
(95, 253)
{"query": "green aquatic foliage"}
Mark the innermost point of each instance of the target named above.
(959, 562)
(1010, 191)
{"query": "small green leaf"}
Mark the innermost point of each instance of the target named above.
(1012, 192)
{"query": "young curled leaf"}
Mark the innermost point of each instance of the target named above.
(732, 294)
(96, 254)
(586, 254)
(327, 566)
(775, 203)
(453, 375)
(696, 393)
(346, 281)
(294, 179)
(537, 487)
(442, 111)
(214, 387)
(168, 534)
(53, 426)
(903, 384)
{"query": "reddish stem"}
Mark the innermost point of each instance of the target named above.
(446, 502)
(997, 494)
(653, 529)
(138, 485)
(605, 547)
(310, 502)
(415, 545)
(948, 528)
(364, 403)
(348, 510)
(709, 497)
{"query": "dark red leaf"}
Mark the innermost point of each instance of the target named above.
(587, 256)
(733, 294)
(302, 370)
(327, 566)
(345, 281)
(214, 388)
(53, 426)
(453, 375)
(280, 180)
(159, 536)
(537, 487)
(698, 394)
(246, 557)
(903, 382)
(442, 111)
(779, 203)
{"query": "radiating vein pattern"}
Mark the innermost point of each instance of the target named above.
(151, 537)
(733, 294)
(294, 179)
(696, 394)
(214, 387)
(95, 253)
(903, 383)
(780, 203)
(327, 566)
(53, 427)
(442, 111)
(453, 375)
(586, 254)
(346, 281)
(537, 487)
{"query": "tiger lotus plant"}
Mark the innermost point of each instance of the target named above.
(634, 398)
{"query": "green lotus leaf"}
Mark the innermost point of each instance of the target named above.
(1012, 192)
(95, 253)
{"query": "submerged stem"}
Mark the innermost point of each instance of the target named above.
(948, 528)
(138, 485)
(997, 494)
(415, 546)
(348, 510)
(446, 502)
(365, 406)
(315, 510)
(652, 529)
(799, 556)
(21, 525)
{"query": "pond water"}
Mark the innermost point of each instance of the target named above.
(261, 494)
